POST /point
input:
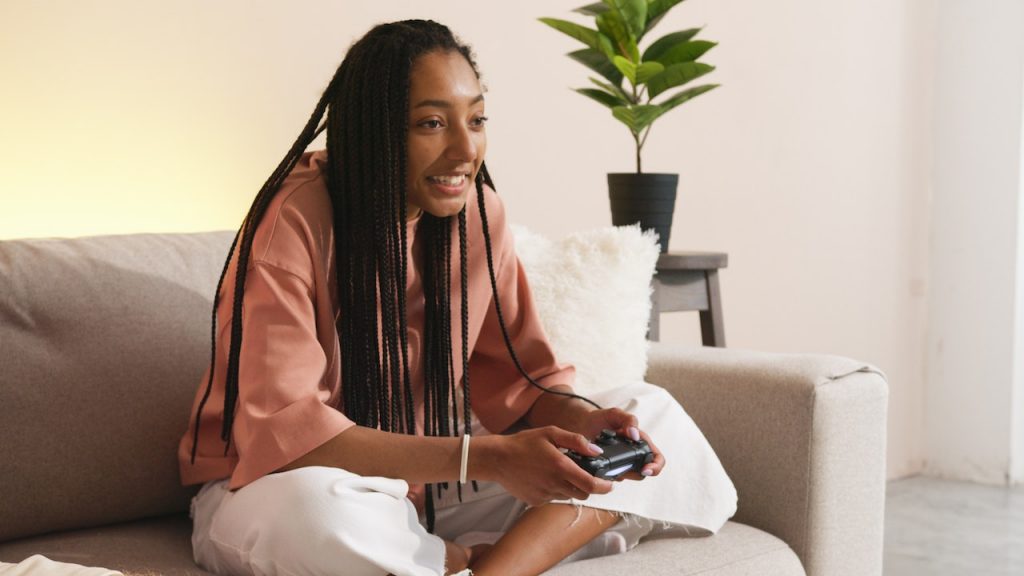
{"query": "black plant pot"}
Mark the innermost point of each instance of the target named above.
(649, 199)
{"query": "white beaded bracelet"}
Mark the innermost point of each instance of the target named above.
(465, 459)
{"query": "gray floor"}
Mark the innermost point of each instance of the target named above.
(944, 528)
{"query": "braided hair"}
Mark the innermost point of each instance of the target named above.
(365, 105)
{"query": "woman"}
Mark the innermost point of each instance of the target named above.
(340, 386)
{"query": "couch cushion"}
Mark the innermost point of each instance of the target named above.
(39, 565)
(152, 547)
(161, 547)
(736, 550)
(102, 342)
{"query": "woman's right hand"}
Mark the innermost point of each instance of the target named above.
(531, 467)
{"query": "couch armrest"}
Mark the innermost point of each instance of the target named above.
(803, 438)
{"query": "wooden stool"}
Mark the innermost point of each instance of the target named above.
(689, 281)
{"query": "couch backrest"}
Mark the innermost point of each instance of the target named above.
(102, 343)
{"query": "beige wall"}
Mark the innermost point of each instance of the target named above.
(809, 166)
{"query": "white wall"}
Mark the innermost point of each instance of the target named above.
(1017, 440)
(1018, 354)
(810, 166)
(971, 401)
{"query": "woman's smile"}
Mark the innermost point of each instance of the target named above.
(451, 185)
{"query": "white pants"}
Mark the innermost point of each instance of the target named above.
(318, 520)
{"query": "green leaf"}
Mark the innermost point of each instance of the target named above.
(647, 70)
(633, 13)
(634, 53)
(661, 45)
(612, 89)
(592, 9)
(637, 117)
(598, 62)
(656, 9)
(646, 115)
(623, 114)
(609, 100)
(604, 45)
(611, 25)
(685, 52)
(676, 75)
(627, 68)
(688, 94)
(588, 36)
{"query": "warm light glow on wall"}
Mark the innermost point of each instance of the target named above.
(100, 175)
(123, 117)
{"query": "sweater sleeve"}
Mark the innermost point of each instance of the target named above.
(283, 410)
(500, 394)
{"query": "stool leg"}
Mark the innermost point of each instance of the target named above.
(712, 328)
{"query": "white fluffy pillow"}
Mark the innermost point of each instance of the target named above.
(593, 293)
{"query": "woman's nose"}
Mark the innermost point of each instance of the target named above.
(461, 145)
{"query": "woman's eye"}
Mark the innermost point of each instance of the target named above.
(480, 120)
(431, 124)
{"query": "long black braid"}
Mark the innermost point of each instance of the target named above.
(366, 103)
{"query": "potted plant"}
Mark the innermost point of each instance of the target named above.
(661, 70)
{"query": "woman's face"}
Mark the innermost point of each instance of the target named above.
(447, 139)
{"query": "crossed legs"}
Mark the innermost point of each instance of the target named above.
(317, 520)
(542, 537)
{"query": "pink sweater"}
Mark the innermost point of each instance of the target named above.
(289, 375)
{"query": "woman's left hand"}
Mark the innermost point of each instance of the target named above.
(624, 424)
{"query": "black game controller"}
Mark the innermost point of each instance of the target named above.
(620, 455)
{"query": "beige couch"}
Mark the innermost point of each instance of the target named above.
(103, 340)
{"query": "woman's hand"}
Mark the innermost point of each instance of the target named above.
(531, 467)
(574, 415)
(624, 424)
